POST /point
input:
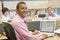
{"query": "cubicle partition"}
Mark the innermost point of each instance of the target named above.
(1, 28)
(57, 24)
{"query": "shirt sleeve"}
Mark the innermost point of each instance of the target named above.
(56, 15)
(20, 28)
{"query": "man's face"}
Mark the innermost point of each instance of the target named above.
(50, 11)
(22, 11)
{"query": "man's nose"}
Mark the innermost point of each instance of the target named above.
(25, 10)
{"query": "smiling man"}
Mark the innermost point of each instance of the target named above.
(51, 13)
(21, 29)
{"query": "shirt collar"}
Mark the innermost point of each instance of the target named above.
(20, 17)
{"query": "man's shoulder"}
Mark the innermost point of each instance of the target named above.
(16, 19)
(55, 14)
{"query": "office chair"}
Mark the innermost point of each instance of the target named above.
(9, 31)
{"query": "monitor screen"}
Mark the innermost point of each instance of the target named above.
(47, 26)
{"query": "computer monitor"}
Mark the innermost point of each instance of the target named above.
(42, 15)
(47, 26)
(33, 25)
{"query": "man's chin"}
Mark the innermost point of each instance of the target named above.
(24, 16)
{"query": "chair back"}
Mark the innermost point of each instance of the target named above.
(9, 31)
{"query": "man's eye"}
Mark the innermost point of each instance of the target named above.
(22, 8)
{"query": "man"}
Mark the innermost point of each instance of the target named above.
(21, 30)
(5, 17)
(51, 13)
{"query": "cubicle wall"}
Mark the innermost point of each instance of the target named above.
(0, 5)
(1, 28)
(57, 24)
(33, 5)
(33, 25)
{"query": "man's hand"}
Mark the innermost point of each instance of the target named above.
(35, 32)
(44, 36)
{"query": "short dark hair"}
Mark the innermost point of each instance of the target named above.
(17, 7)
(49, 7)
(4, 10)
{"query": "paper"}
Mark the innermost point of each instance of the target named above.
(57, 31)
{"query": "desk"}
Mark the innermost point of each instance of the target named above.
(56, 37)
(3, 37)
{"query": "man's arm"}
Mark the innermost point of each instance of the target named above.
(20, 28)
